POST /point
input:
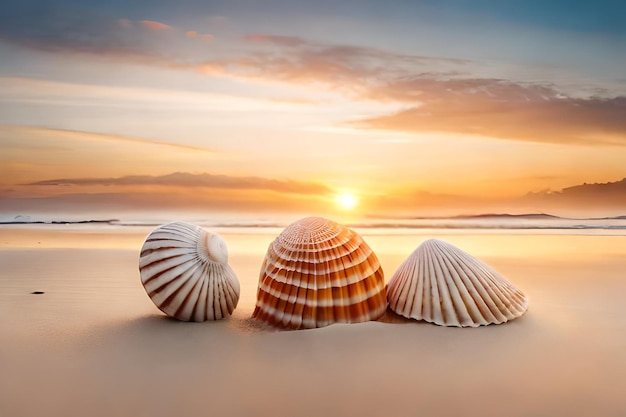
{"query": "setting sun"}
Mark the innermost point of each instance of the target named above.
(346, 201)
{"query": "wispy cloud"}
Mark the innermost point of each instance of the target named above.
(192, 34)
(184, 179)
(19, 131)
(178, 191)
(154, 25)
(64, 31)
(291, 41)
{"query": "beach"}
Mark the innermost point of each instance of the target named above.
(93, 344)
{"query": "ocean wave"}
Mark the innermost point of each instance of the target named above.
(481, 221)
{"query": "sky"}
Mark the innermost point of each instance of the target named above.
(410, 107)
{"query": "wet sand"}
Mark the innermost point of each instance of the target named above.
(94, 345)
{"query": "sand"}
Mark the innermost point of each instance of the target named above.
(94, 345)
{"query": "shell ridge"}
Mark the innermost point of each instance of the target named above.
(215, 306)
(211, 296)
(403, 299)
(473, 263)
(374, 285)
(173, 278)
(199, 312)
(435, 313)
(478, 309)
(415, 286)
(376, 303)
(164, 270)
(422, 313)
(188, 304)
(420, 292)
(399, 288)
(492, 298)
(173, 303)
(468, 305)
(231, 291)
(160, 240)
(163, 256)
(342, 310)
(290, 304)
(448, 306)
(497, 298)
(223, 306)
(490, 311)
(466, 310)
(510, 296)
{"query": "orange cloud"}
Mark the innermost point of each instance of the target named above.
(275, 39)
(113, 199)
(154, 25)
(502, 109)
(191, 34)
(184, 179)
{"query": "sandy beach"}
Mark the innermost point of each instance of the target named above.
(94, 344)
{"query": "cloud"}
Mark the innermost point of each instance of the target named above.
(192, 34)
(18, 132)
(439, 94)
(352, 69)
(124, 23)
(502, 109)
(154, 25)
(291, 41)
(437, 101)
(183, 179)
(74, 31)
(177, 191)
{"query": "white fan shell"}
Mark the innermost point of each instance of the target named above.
(441, 284)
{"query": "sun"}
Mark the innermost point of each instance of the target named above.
(346, 201)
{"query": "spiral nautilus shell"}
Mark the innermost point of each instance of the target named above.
(441, 284)
(318, 272)
(185, 271)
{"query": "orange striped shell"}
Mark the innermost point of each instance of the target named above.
(318, 272)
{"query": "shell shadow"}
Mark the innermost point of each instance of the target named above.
(390, 317)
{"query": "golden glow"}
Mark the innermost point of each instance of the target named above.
(346, 201)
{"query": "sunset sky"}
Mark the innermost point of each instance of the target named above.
(412, 107)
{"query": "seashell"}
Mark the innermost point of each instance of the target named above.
(185, 271)
(441, 284)
(318, 272)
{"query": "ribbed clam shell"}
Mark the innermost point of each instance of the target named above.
(318, 272)
(185, 271)
(441, 284)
